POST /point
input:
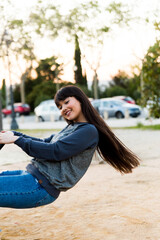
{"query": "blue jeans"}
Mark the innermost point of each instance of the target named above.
(19, 189)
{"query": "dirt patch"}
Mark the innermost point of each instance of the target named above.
(103, 205)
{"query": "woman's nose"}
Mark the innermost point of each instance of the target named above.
(62, 108)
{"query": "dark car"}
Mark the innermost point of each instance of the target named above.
(19, 109)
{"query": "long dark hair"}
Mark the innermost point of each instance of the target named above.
(110, 148)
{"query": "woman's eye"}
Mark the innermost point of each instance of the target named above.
(67, 102)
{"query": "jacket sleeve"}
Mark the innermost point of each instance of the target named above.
(78, 141)
(33, 138)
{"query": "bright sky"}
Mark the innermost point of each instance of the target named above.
(120, 52)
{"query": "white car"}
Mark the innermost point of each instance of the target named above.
(47, 111)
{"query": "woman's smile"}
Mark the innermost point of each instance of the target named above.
(68, 113)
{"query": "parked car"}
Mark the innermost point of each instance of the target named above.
(47, 111)
(19, 109)
(115, 108)
(125, 98)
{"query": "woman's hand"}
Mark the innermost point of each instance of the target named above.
(7, 137)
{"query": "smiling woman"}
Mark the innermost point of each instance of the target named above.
(61, 160)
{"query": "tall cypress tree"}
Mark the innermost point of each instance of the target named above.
(79, 78)
(3, 93)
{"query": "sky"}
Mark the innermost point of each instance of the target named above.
(120, 51)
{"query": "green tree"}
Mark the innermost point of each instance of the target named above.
(23, 48)
(89, 21)
(16, 42)
(124, 85)
(79, 78)
(44, 86)
(151, 78)
(41, 92)
(49, 69)
(3, 93)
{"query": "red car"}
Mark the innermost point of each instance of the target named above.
(126, 99)
(19, 108)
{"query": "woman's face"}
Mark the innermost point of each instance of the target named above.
(71, 110)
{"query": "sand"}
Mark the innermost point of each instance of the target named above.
(104, 205)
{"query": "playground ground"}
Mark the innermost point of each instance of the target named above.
(103, 205)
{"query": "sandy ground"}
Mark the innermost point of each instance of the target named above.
(104, 205)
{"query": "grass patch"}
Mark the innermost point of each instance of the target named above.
(143, 127)
(38, 132)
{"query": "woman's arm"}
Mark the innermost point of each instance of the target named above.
(7, 137)
(33, 138)
(78, 141)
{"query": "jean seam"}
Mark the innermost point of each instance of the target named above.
(21, 193)
(42, 199)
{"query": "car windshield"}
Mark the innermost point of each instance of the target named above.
(128, 99)
(118, 103)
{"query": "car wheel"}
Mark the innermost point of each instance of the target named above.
(40, 119)
(119, 115)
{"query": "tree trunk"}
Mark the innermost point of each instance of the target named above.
(95, 86)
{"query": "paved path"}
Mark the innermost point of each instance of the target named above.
(30, 122)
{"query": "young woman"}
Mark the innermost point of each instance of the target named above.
(61, 160)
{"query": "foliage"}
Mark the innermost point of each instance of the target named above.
(114, 91)
(16, 41)
(85, 90)
(151, 78)
(3, 93)
(123, 85)
(17, 94)
(79, 78)
(41, 92)
(44, 86)
(145, 127)
(89, 22)
(49, 69)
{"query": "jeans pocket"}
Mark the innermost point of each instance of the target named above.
(45, 200)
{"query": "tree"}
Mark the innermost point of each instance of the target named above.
(49, 69)
(44, 85)
(16, 44)
(124, 85)
(3, 93)
(20, 47)
(88, 21)
(23, 50)
(151, 78)
(79, 78)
